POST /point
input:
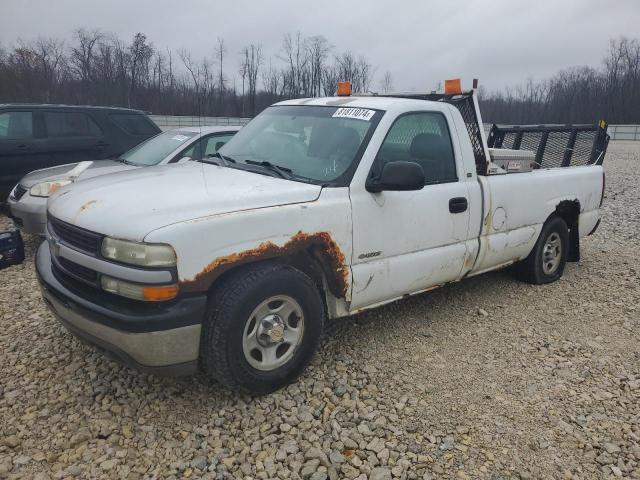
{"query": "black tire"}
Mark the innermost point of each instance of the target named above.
(231, 305)
(532, 269)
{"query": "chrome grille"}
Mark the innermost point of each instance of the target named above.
(79, 271)
(77, 237)
(19, 192)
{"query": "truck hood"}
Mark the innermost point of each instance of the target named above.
(131, 204)
(98, 167)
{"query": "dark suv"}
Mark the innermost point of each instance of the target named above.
(40, 136)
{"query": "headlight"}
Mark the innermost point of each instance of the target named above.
(150, 293)
(45, 189)
(143, 254)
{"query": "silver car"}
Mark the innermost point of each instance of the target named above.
(28, 199)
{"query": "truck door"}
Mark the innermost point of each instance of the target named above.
(405, 242)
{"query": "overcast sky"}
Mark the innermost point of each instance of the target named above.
(421, 42)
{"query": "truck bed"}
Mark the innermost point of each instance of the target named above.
(511, 222)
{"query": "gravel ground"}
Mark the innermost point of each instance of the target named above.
(489, 378)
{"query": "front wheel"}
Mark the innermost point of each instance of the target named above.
(546, 262)
(263, 328)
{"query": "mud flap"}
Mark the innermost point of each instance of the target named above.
(574, 244)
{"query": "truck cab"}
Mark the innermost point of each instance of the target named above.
(318, 208)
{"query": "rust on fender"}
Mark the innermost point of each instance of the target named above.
(320, 246)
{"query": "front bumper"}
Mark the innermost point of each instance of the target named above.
(29, 213)
(165, 341)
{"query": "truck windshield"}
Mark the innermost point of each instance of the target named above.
(315, 143)
(156, 149)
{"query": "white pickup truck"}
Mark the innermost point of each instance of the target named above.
(318, 208)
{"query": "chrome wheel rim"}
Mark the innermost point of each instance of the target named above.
(273, 332)
(551, 254)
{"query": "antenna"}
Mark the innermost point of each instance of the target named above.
(199, 142)
(199, 121)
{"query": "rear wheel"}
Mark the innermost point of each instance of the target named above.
(546, 262)
(263, 328)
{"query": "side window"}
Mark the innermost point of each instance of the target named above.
(194, 151)
(70, 124)
(215, 142)
(421, 137)
(16, 125)
(134, 124)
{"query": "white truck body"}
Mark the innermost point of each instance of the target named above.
(375, 247)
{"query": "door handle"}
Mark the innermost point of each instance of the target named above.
(458, 205)
(23, 146)
(101, 144)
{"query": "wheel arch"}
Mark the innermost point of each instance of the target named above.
(316, 255)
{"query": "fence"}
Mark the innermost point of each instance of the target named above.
(624, 132)
(166, 122)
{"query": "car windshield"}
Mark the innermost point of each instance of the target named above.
(315, 143)
(156, 149)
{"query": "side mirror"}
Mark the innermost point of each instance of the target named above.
(184, 159)
(397, 176)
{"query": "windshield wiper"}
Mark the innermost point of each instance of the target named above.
(226, 160)
(283, 172)
(122, 160)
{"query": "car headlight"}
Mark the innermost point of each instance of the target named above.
(45, 189)
(142, 254)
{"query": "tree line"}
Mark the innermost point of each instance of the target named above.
(99, 68)
(96, 67)
(575, 95)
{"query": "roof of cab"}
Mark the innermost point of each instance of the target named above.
(70, 107)
(374, 102)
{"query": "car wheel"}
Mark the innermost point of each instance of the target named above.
(546, 262)
(262, 329)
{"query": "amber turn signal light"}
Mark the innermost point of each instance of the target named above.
(452, 87)
(159, 294)
(344, 89)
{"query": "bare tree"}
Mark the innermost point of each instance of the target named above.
(252, 62)
(82, 58)
(195, 74)
(294, 55)
(330, 78)
(271, 82)
(244, 71)
(220, 53)
(359, 72)
(318, 49)
(140, 54)
(386, 84)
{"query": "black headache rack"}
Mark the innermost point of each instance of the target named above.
(554, 145)
(465, 105)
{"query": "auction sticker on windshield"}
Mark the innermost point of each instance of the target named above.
(357, 113)
(179, 138)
